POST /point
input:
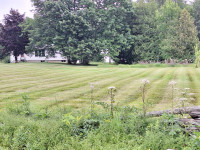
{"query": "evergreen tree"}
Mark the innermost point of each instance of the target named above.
(181, 39)
(197, 55)
(187, 36)
(12, 38)
(196, 7)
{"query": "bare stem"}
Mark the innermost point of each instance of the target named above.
(143, 100)
(92, 98)
(111, 103)
(172, 99)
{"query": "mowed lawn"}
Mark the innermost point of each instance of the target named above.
(52, 85)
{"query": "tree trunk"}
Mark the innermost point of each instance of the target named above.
(69, 61)
(74, 61)
(16, 61)
(85, 62)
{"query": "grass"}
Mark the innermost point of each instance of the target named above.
(50, 85)
(57, 115)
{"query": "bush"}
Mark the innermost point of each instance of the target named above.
(6, 59)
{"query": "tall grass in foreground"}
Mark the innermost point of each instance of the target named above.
(23, 129)
(63, 130)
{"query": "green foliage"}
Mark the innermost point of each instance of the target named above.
(187, 36)
(197, 55)
(119, 31)
(6, 59)
(196, 7)
(12, 39)
(72, 131)
(195, 144)
(23, 108)
(177, 32)
(167, 19)
(147, 42)
(124, 30)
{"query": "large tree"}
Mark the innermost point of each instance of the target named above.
(119, 30)
(187, 36)
(196, 7)
(181, 39)
(75, 34)
(12, 39)
(167, 20)
(147, 42)
(65, 25)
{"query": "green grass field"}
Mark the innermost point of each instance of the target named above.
(67, 120)
(51, 85)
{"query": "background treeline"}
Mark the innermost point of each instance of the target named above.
(127, 31)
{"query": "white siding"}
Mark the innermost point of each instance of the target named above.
(33, 58)
(107, 59)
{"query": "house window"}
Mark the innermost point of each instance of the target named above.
(40, 53)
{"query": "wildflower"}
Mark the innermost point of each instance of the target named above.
(68, 123)
(187, 88)
(112, 87)
(184, 94)
(183, 99)
(192, 99)
(92, 86)
(111, 91)
(145, 81)
(107, 120)
(78, 118)
(191, 94)
(172, 82)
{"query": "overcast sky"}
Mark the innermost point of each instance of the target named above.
(23, 6)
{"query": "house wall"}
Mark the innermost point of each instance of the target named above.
(58, 58)
(33, 58)
(107, 59)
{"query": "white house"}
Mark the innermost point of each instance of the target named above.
(107, 59)
(39, 56)
(42, 56)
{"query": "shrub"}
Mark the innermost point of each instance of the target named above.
(6, 59)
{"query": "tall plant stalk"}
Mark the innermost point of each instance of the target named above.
(144, 82)
(92, 99)
(172, 84)
(112, 100)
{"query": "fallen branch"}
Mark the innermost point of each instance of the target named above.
(194, 112)
(190, 124)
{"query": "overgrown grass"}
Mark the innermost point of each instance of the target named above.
(62, 129)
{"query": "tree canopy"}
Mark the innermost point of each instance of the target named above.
(12, 39)
(126, 31)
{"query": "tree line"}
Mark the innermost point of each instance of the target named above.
(85, 30)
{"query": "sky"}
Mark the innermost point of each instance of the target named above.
(23, 6)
